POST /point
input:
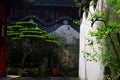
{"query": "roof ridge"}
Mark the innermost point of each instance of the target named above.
(66, 3)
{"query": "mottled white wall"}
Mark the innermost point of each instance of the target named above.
(69, 50)
(91, 70)
(67, 32)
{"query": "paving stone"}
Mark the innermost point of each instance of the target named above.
(11, 77)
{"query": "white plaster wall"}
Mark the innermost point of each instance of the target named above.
(67, 32)
(91, 70)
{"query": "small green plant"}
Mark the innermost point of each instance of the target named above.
(77, 3)
(77, 22)
(85, 9)
(98, 16)
(92, 3)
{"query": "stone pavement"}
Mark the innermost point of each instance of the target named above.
(11, 77)
(30, 78)
(50, 78)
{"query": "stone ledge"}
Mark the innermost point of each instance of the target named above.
(11, 77)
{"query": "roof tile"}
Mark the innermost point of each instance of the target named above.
(67, 3)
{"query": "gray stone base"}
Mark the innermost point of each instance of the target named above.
(11, 77)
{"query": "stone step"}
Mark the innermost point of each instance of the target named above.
(11, 77)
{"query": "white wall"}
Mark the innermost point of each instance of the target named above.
(91, 70)
(67, 32)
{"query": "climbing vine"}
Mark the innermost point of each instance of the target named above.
(106, 35)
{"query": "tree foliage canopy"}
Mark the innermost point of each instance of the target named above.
(25, 36)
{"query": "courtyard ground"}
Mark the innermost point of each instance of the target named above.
(30, 78)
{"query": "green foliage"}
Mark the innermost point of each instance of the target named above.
(112, 26)
(90, 42)
(53, 42)
(92, 3)
(85, 9)
(27, 24)
(98, 16)
(91, 57)
(112, 62)
(111, 1)
(32, 32)
(77, 22)
(28, 30)
(13, 32)
(77, 3)
(103, 32)
(14, 28)
(31, 29)
(35, 40)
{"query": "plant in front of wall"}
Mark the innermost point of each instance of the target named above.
(109, 56)
(106, 36)
(77, 22)
(77, 3)
(98, 16)
(35, 43)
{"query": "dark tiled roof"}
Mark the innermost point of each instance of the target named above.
(66, 3)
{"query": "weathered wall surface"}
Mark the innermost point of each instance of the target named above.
(67, 32)
(69, 50)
